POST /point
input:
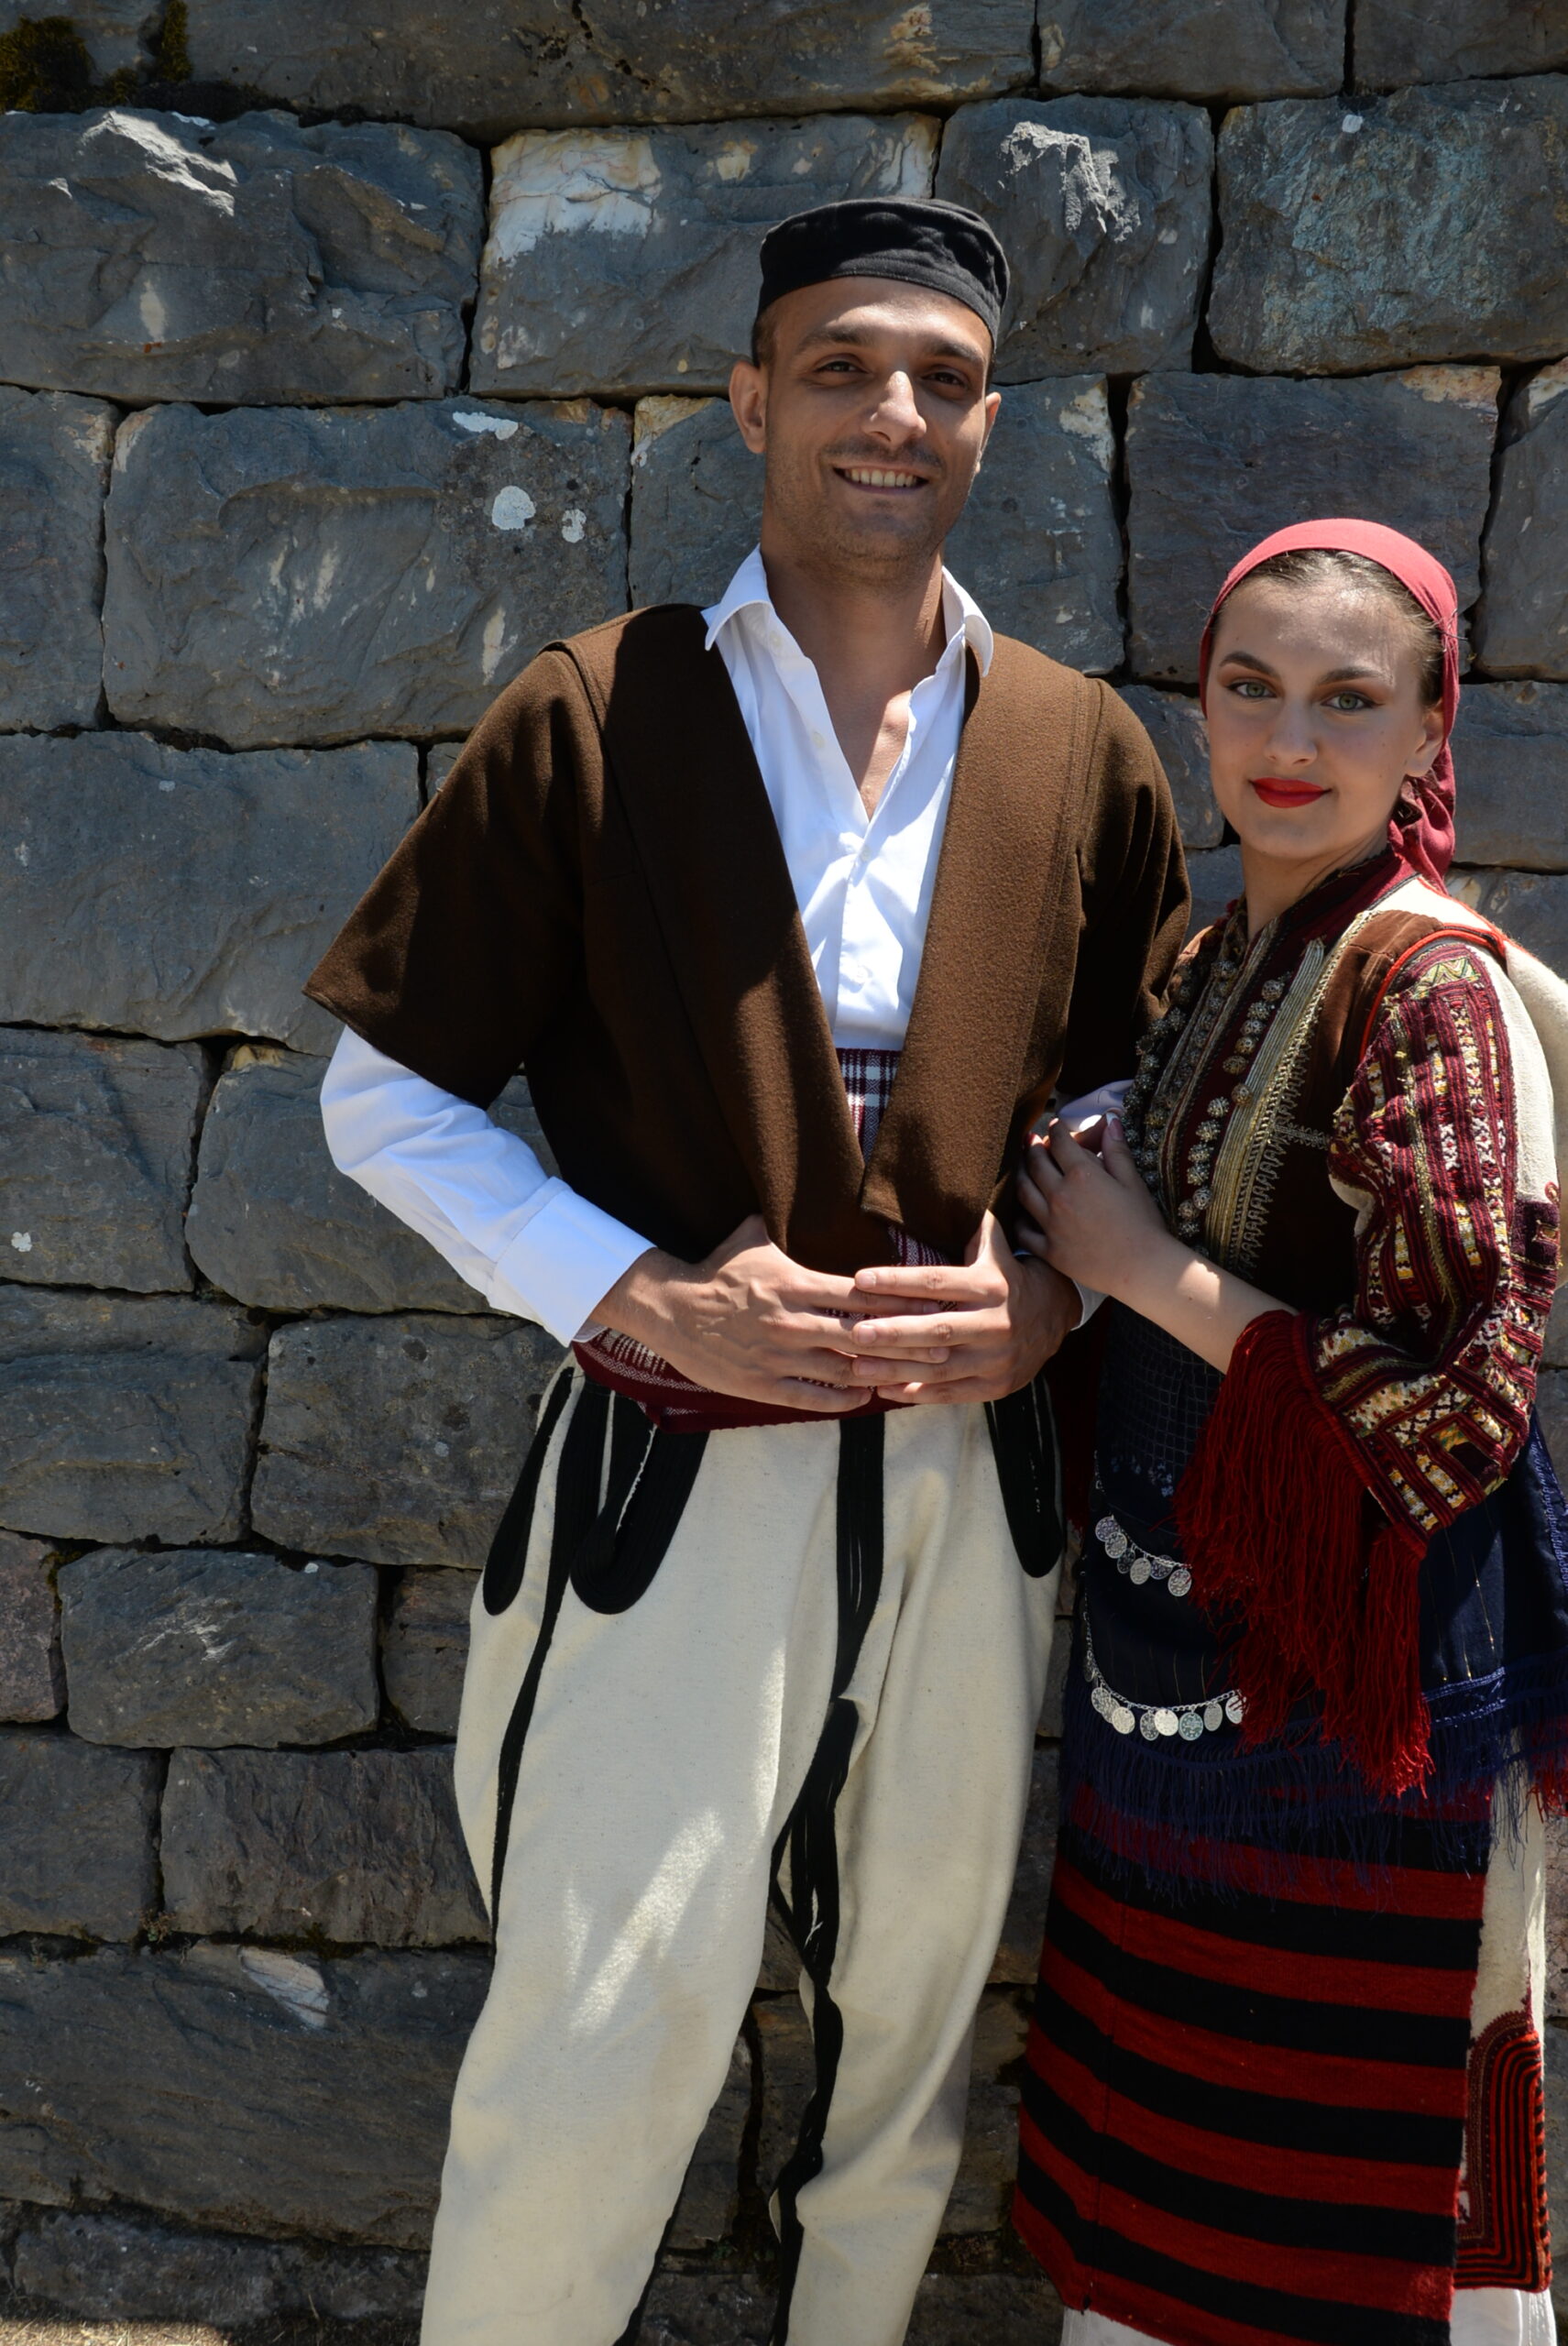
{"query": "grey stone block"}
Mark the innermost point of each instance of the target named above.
(1018, 1954)
(1038, 545)
(696, 500)
(424, 1647)
(179, 893)
(54, 470)
(124, 1417)
(1418, 226)
(950, 2309)
(985, 2310)
(982, 2189)
(984, 2185)
(1215, 878)
(1215, 463)
(110, 2268)
(398, 1438)
(1175, 725)
(32, 1676)
(1399, 41)
(150, 255)
(295, 575)
(341, 1845)
(76, 1837)
(189, 1647)
(707, 2309)
(1511, 747)
(492, 69)
(115, 33)
(710, 2195)
(1104, 206)
(1190, 49)
(1555, 1354)
(1529, 906)
(273, 1222)
(1521, 626)
(626, 260)
(1556, 2065)
(322, 2089)
(97, 1140)
(1050, 1721)
(1556, 1987)
(1551, 1407)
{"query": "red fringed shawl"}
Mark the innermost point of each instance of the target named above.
(1284, 1539)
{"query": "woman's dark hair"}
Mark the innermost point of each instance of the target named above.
(1317, 566)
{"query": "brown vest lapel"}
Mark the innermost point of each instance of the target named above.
(1006, 855)
(694, 798)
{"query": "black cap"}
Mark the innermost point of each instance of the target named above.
(916, 242)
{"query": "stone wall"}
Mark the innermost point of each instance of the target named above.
(349, 354)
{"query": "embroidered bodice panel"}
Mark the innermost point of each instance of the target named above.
(1377, 1189)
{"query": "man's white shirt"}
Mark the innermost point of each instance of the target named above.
(530, 1244)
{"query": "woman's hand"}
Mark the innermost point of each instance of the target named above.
(1092, 1219)
(1089, 1215)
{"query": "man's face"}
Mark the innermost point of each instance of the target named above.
(870, 411)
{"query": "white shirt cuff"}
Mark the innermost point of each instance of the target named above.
(563, 1263)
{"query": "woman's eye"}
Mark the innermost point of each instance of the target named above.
(1251, 688)
(1348, 703)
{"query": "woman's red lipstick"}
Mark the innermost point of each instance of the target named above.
(1274, 791)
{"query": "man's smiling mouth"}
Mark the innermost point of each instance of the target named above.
(876, 477)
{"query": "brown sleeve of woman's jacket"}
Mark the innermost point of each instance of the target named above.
(433, 967)
(1136, 901)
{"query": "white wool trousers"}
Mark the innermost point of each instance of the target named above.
(805, 1646)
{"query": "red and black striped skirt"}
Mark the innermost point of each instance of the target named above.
(1244, 2112)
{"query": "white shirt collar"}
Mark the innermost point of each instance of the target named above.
(748, 590)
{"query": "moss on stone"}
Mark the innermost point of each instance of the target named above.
(44, 66)
(172, 55)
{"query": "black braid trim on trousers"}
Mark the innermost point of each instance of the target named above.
(1028, 1472)
(609, 1537)
(508, 1549)
(810, 1912)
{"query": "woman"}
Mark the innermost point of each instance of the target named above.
(1284, 2079)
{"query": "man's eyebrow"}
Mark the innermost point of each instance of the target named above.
(859, 337)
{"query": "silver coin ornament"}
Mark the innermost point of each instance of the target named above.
(1136, 1564)
(1188, 1721)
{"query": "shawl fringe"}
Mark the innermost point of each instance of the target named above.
(1315, 1593)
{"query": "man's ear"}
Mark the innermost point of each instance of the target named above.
(749, 401)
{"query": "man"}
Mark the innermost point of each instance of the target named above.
(774, 1595)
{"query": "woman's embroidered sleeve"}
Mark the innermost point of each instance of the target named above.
(1340, 1443)
(1431, 1368)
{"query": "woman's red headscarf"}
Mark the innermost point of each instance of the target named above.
(1425, 837)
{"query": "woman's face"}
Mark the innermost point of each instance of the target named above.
(1315, 720)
